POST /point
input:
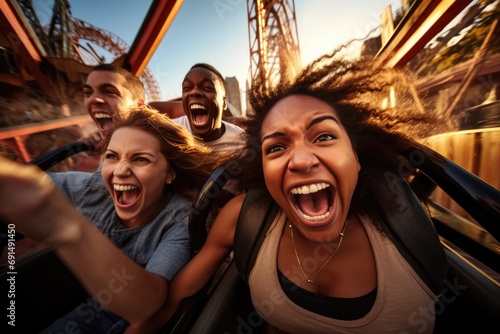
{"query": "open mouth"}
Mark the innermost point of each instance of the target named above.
(199, 113)
(104, 120)
(126, 195)
(314, 201)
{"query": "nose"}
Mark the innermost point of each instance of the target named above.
(302, 159)
(195, 91)
(122, 168)
(95, 98)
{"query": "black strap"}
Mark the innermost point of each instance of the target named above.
(57, 155)
(256, 215)
(414, 234)
(202, 205)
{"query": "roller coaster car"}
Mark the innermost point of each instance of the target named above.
(470, 299)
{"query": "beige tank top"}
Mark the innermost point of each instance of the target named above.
(404, 304)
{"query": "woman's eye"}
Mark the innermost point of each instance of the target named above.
(141, 159)
(325, 137)
(274, 148)
(110, 156)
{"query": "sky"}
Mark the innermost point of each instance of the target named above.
(216, 32)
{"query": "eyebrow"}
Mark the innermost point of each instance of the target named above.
(313, 122)
(102, 86)
(133, 154)
(203, 80)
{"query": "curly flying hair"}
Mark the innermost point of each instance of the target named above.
(358, 90)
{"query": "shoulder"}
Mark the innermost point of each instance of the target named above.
(183, 120)
(173, 109)
(178, 205)
(228, 215)
(233, 206)
(224, 225)
(230, 127)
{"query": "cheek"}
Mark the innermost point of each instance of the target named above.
(153, 180)
(273, 176)
(347, 172)
(107, 173)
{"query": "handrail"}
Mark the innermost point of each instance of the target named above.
(49, 159)
(478, 198)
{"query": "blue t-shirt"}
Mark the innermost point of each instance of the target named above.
(160, 246)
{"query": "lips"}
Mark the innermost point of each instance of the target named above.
(313, 202)
(126, 195)
(199, 113)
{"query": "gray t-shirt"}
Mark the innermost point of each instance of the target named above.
(232, 139)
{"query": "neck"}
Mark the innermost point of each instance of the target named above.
(215, 134)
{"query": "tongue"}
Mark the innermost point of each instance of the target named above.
(105, 123)
(200, 118)
(129, 196)
(314, 204)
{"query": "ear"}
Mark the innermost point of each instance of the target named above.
(224, 103)
(170, 177)
(140, 102)
(357, 160)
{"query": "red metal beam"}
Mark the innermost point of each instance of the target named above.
(16, 135)
(23, 45)
(159, 18)
(424, 21)
(24, 130)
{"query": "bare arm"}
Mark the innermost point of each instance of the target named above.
(197, 273)
(30, 200)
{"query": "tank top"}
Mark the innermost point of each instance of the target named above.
(403, 304)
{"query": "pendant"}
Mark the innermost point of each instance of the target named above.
(309, 281)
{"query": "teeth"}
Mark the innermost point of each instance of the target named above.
(101, 115)
(197, 106)
(315, 218)
(304, 190)
(120, 187)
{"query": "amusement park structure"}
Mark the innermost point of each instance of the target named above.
(50, 62)
(452, 46)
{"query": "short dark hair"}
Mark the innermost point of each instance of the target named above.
(211, 69)
(133, 83)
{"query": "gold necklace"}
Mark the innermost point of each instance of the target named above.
(311, 281)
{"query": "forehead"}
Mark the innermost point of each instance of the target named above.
(98, 78)
(128, 137)
(294, 107)
(200, 73)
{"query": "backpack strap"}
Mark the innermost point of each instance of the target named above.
(414, 234)
(256, 215)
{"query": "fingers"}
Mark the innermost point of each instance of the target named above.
(96, 136)
(21, 186)
(30, 200)
(96, 139)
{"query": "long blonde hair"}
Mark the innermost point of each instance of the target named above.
(192, 161)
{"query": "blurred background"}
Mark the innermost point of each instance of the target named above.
(47, 49)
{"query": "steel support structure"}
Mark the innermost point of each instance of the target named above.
(273, 39)
(421, 23)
